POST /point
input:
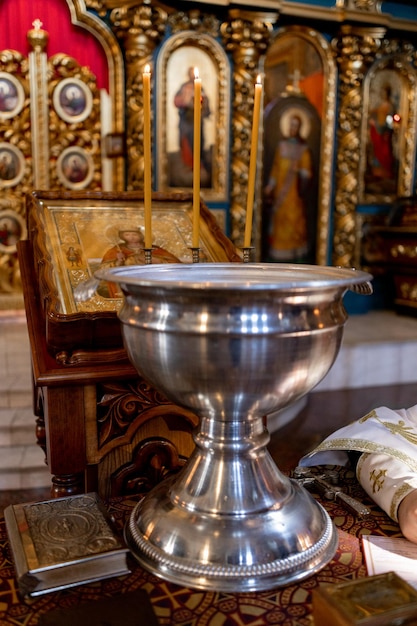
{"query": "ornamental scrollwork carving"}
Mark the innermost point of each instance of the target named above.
(16, 177)
(371, 6)
(121, 407)
(100, 6)
(196, 21)
(355, 51)
(246, 41)
(15, 129)
(74, 140)
(141, 28)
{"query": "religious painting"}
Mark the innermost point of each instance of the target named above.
(388, 132)
(12, 165)
(80, 233)
(298, 144)
(73, 100)
(178, 62)
(12, 230)
(12, 96)
(75, 168)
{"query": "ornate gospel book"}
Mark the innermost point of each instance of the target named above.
(62, 543)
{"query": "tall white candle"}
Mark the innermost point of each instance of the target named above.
(252, 162)
(147, 157)
(196, 159)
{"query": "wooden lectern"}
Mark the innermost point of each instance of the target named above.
(102, 427)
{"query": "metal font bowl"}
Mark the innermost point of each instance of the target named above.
(232, 342)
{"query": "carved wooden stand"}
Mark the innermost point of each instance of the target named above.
(101, 426)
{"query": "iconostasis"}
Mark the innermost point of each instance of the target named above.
(336, 134)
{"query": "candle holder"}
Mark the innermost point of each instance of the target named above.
(247, 253)
(148, 256)
(232, 344)
(196, 254)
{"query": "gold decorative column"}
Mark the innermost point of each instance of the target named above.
(356, 49)
(246, 38)
(39, 99)
(141, 29)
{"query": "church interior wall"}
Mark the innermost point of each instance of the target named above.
(327, 63)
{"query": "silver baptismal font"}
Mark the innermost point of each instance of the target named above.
(232, 342)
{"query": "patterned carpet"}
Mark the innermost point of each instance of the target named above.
(174, 605)
(177, 606)
(22, 495)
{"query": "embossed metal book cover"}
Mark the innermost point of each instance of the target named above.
(63, 542)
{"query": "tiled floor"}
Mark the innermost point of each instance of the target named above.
(22, 462)
(15, 376)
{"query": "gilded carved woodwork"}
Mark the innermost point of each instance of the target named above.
(84, 135)
(246, 37)
(355, 51)
(102, 6)
(196, 21)
(131, 31)
(55, 122)
(246, 41)
(323, 238)
(363, 5)
(360, 52)
(153, 460)
(16, 176)
(42, 142)
(39, 105)
(141, 28)
(123, 407)
(114, 168)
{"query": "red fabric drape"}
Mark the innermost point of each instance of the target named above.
(17, 17)
(313, 87)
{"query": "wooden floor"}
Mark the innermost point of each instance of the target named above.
(324, 413)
